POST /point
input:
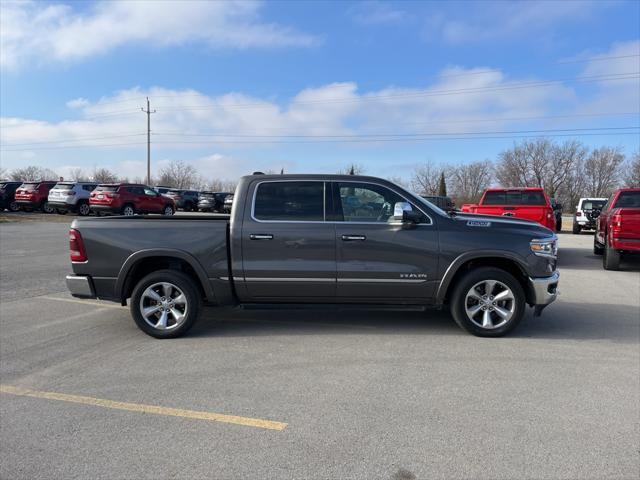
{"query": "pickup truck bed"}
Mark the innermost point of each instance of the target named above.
(317, 239)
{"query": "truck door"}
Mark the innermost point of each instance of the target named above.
(377, 257)
(288, 249)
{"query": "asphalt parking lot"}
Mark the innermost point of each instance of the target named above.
(300, 393)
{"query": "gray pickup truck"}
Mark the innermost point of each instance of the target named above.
(317, 239)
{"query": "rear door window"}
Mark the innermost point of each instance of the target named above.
(289, 201)
(514, 198)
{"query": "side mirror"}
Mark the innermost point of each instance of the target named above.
(402, 211)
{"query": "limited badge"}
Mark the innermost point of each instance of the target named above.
(478, 223)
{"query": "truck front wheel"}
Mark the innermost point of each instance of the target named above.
(488, 302)
(165, 304)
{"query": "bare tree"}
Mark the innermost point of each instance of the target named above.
(33, 173)
(632, 171)
(398, 181)
(468, 181)
(352, 169)
(563, 163)
(602, 171)
(78, 175)
(574, 186)
(426, 178)
(179, 174)
(217, 185)
(104, 175)
(512, 169)
(3, 173)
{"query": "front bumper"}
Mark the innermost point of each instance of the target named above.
(80, 286)
(544, 290)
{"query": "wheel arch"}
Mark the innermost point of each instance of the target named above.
(143, 262)
(471, 260)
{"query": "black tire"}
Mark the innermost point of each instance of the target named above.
(598, 249)
(611, 257)
(61, 211)
(83, 209)
(46, 208)
(13, 206)
(464, 285)
(181, 282)
(165, 210)
(576, 228)
(128, 210)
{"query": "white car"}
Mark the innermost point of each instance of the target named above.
(71, 197)
(586, 214)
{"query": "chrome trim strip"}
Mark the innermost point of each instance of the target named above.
(288, 279)
(340, 280)
(324, 206)
(381, 280)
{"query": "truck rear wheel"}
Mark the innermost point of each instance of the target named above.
(165, 304)
(488, 302)
(611, 258)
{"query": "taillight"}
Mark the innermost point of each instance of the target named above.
(113, 195)
(77, 252)
(69, 192)
(616, 224)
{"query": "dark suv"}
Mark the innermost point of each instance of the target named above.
(212, 201)
(186, 200)
(129, 199)
(33, 196)
(7, 196)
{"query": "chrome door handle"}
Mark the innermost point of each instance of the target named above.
(353, 238)
(261, 236)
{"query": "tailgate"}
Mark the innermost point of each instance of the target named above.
(532, 212)
(629, 223)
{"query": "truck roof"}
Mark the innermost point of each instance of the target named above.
(514, 189)
(314, 176)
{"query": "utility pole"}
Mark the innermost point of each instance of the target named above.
(148, 111)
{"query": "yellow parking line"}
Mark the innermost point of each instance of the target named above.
(141, 408)
(82, 302)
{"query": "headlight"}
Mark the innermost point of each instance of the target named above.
(547, 247)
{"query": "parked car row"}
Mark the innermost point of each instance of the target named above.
(84, 198)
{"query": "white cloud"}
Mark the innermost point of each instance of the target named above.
(37, 31)
(499, 20)
(208, 126)
(376, 13)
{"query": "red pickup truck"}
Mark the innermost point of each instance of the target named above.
(618, 227)
(530, 203)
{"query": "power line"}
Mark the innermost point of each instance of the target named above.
(513, 86)
(596, 59)
(71, 146)
(393, 135)
(73, 140)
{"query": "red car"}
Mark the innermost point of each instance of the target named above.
(129, 199)
(618, 227)
(528, 203)
(33, 196)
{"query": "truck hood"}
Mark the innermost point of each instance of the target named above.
(473, 220)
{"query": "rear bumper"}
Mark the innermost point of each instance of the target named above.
(80, 286)
(104, 208)
(544, 289)
(626, 244)
(28, 203)
(65, 205)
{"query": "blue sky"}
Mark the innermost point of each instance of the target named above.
(319, 81)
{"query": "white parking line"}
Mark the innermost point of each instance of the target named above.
(83, 302)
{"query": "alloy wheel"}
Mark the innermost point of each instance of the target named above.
(490, 304)
(163, 306)
(84, 209)
(128, 211)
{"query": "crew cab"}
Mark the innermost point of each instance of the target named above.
(34, 196)
(128, 199)
(317, 239)
(530, 203)
(618, 227)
